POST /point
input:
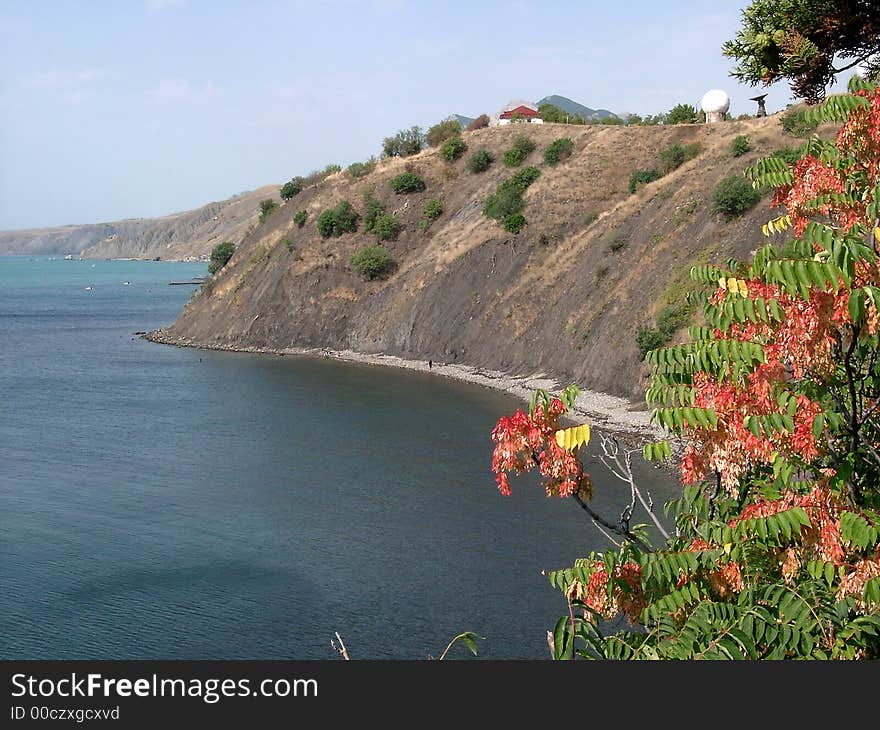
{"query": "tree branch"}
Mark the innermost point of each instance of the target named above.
(616, 529)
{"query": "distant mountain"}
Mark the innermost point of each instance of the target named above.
(182, 235)
(572, 107)
(463, 121)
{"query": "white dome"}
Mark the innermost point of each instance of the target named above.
(715, 100)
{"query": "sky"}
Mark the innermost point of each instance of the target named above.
(139, 108)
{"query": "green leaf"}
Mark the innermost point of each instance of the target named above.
(562, 639)
(468, 640)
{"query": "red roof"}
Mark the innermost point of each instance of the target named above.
(522, 111)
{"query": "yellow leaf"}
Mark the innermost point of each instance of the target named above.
(877, 233)
(732, 285)
(722, 283)
(741, 286)
(571, 438)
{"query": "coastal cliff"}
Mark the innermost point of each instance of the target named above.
(564, 298)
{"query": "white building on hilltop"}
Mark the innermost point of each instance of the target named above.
(517, 111)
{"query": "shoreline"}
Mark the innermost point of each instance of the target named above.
(603, 411)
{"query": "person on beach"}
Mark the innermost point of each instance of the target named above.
(430, 364)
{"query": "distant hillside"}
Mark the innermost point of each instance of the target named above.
(180, 235)
(572, 107)
(564, 297)
(463, 121)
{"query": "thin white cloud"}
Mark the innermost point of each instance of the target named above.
(178, 90)
(69, 85)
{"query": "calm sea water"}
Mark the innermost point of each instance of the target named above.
(158, 502)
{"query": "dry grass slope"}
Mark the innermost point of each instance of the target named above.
(563, 298)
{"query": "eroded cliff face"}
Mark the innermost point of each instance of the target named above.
(564, 297)
(189, 234)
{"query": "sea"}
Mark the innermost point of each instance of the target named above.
(162, 502)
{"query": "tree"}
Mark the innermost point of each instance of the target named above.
(405, 143)
(291, 188)
(442, 131)
(775, 547)
(682, 114)
(552, 113)
(220, 255)
(479, 123)
(807, 42)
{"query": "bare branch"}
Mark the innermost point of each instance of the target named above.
(341, 648)
(617, 529)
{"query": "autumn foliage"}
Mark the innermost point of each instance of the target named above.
(775, 551)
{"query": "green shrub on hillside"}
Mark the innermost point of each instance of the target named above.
(326, 224)
(442, 131)
(740, 146)
(387, 227)
(733, 196)
(514, 222)
(642, 177)
(682, 114)
(789, 154)
(647, 339)
(300, 218)
(453, 148)
(267, 207)
(357, 170)
(508, 198)
(513, 158)
(558, 150)
(797, 123)
(372, 262)
(336, 221)
(676, 155)
(670, 319)
(479, 161)
(332, 169)
(288, 244)
(522, 147)
(220, 255)
(291, 188)
(503, 203)
(372, 210)
(407, 182)
(433, 209)
(521, 180)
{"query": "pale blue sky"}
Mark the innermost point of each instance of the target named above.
(133, 109)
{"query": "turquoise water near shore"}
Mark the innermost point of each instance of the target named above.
(158, 502)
